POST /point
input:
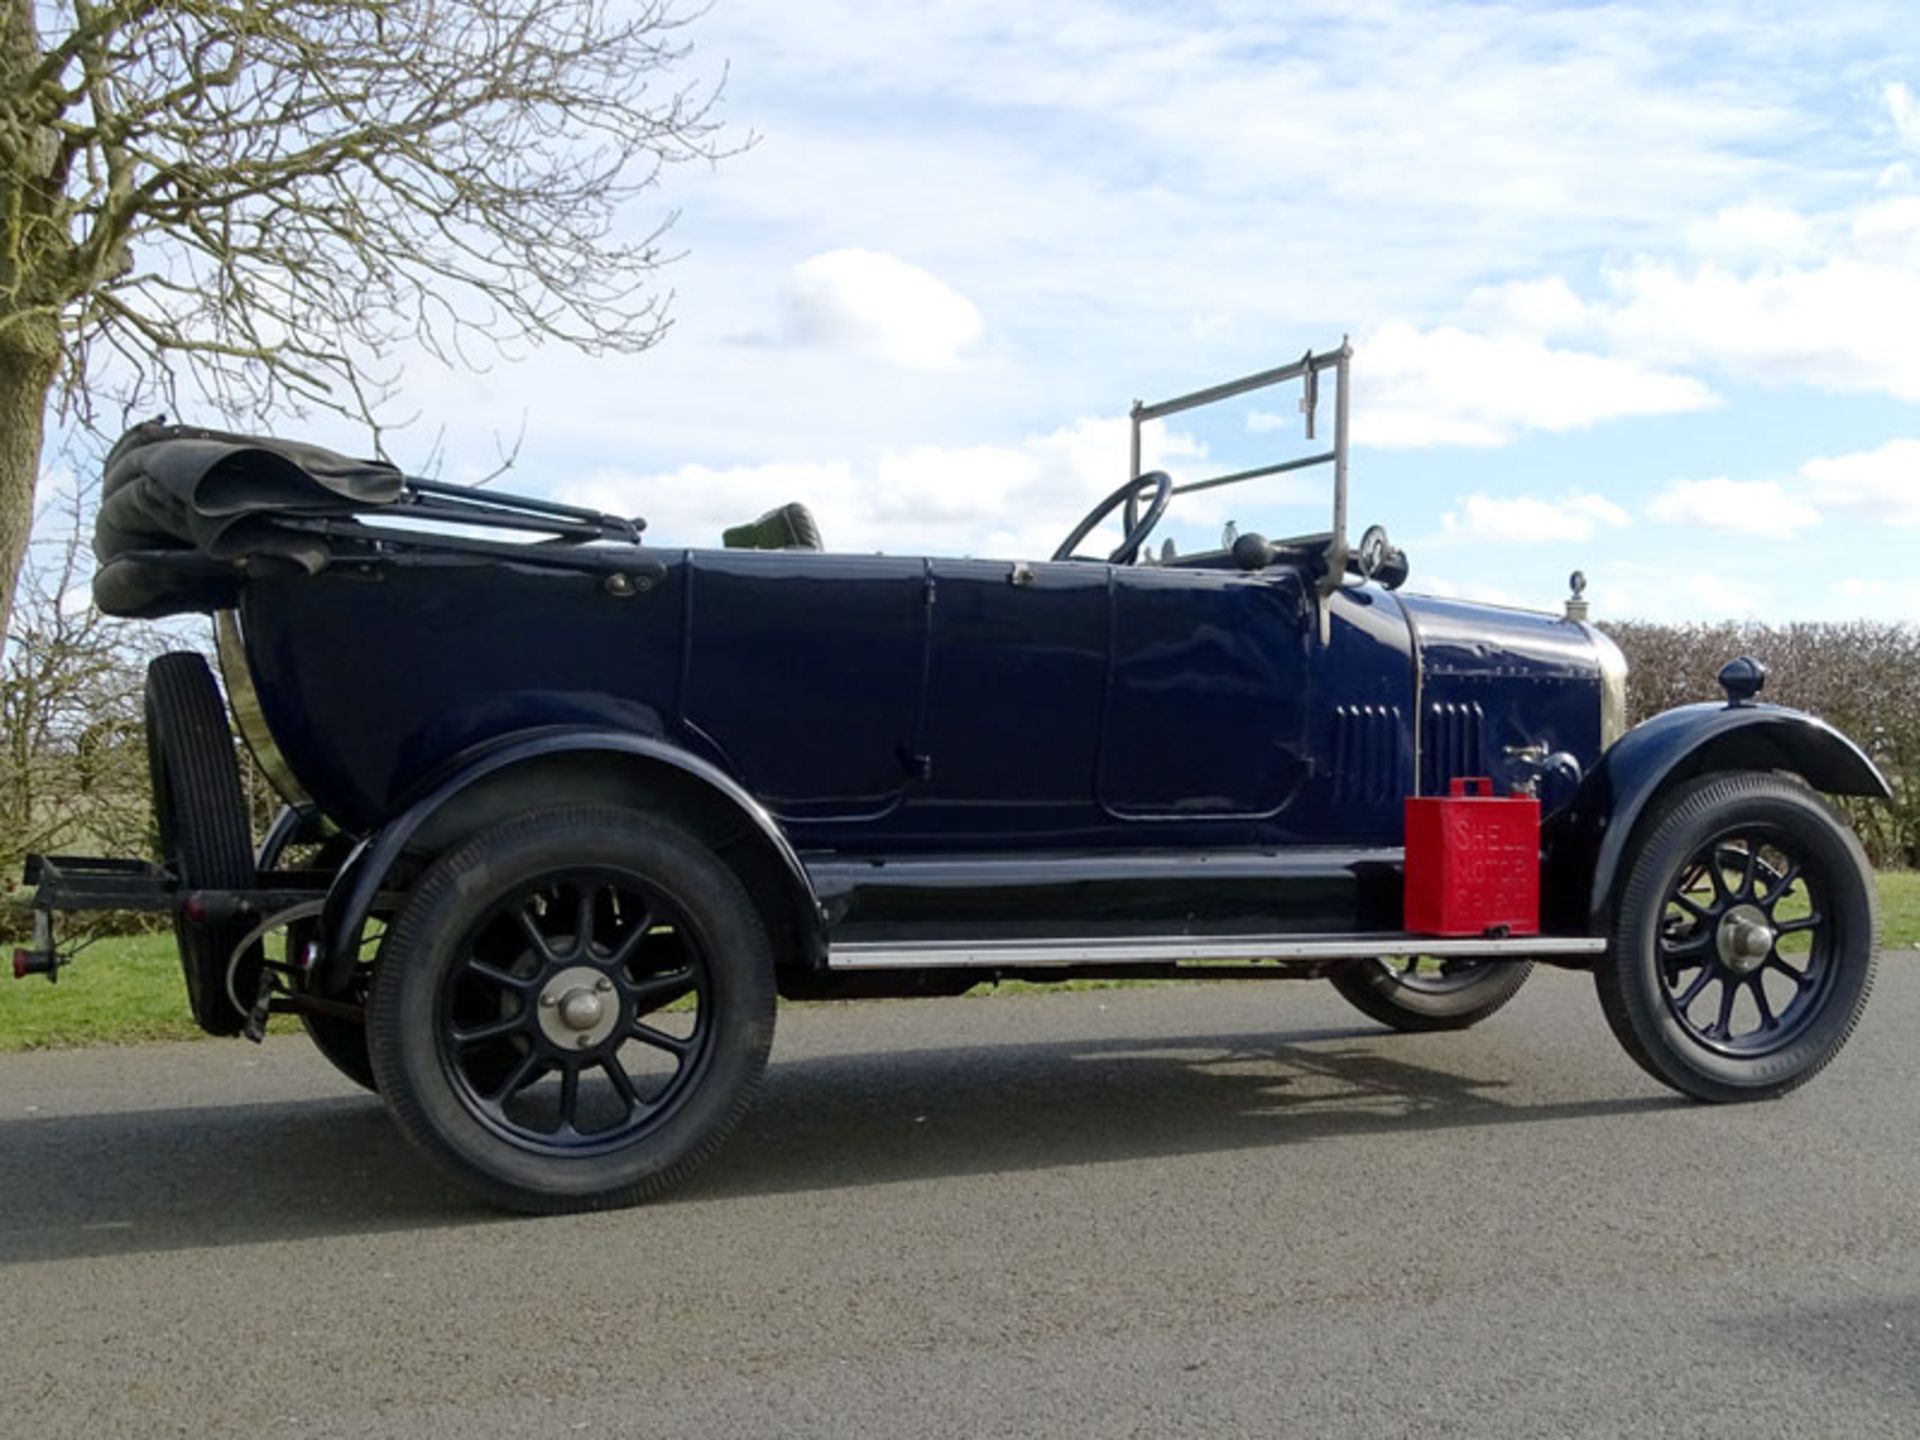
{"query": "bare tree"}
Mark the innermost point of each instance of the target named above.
(73, 769)
(258, 200)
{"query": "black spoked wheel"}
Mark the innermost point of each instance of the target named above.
(1743, 947)
(203, 832)
(1415, 993)
(573, 1009)
(581, 976)
(1746, 953)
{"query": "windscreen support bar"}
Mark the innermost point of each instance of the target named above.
(1308, 368)
(1239, 475)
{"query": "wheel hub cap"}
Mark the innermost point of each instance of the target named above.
(578, 1008)
(1745, 939)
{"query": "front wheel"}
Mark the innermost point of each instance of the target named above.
(1744, 939)
(1417, 994)
(572, 1009)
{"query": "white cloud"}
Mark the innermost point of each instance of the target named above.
(1527, 519)
(1265, 422)
(1453, 387)
(1741, 507)
(1636, 591)
(1777, 297)
(880, 305)
(1847, 324)
(1882, 599)
(1721, 597)
(1751, 232)
(1902, 110)
(1213, 326)
(1847, 317)
(1884, 483)
(1538, 309)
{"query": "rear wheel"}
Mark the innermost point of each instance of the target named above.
(202, 829)
(1744, 939)
(1416, 994)
(572, 1009)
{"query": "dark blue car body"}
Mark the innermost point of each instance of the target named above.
(981, 749)
(877, 705)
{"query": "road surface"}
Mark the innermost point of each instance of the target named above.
(1213, 1210)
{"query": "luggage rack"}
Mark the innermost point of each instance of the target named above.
(89, 882)
(566, 528)
(572, 537)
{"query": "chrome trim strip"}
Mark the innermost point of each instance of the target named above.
(1171, 949)
(248, 718)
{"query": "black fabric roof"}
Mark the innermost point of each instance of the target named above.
(179, 490)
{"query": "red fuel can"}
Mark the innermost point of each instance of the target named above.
(1473, 862)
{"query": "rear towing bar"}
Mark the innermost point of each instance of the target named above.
(78, 884)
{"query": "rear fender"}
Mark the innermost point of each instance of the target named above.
(1587, 842)
(486, 783)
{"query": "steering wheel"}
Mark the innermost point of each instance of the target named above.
(1138, 526)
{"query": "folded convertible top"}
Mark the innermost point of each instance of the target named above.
(173, 491)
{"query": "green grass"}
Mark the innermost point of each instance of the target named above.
(124, 991)
(116, 992)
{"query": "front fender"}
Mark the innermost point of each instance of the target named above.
(1586, 843)
(351, 896)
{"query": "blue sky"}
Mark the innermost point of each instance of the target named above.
(1633, 288)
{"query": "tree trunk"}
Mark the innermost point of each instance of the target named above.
(26, 377)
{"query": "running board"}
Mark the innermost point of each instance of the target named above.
(1171, 949)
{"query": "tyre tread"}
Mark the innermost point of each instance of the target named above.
(190, 744)
(1646, 883)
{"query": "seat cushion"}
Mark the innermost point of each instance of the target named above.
(786, 527)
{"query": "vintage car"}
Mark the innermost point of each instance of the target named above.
(566, 811)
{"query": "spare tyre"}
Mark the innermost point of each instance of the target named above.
(200, 820)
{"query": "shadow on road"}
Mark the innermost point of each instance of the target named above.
(107, 1184)
(846, 1121)
(1872, 1345)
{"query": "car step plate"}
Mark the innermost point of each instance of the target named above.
(1169, 949)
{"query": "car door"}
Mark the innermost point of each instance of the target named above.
(1016, 675)
(804, 674)
(1206, 705)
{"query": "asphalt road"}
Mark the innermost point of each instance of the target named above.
(1182, 1211)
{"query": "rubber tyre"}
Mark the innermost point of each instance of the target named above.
(424, 944)
(202, 828)
(1627, 976)
(1376, 991)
